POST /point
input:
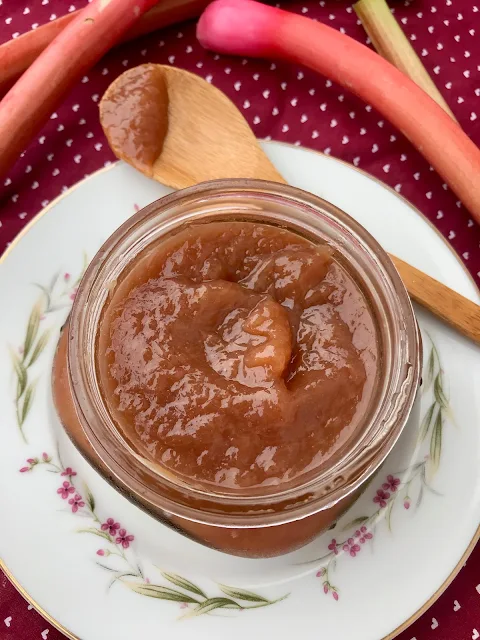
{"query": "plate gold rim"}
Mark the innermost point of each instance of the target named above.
(476, 537)
(52, 621)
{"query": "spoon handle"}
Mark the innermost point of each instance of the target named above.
(450, 306)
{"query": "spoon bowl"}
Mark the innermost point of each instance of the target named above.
(185, 130)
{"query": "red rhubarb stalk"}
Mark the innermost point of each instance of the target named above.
(17, 54)
(74, 51)
(248, 28)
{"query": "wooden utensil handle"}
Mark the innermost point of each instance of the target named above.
(450, 306)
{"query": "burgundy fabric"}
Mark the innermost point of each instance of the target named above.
(288, 104)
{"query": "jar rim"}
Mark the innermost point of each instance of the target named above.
(294, 208)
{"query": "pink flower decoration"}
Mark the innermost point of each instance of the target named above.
(111, 526)
(100, 552)
(364, 535)
(406, 503)
(325, 587)
(69, 472)
(76, 502)
(66, 277)
(24, 469)
(65, 490)
(73, 294)
(333, 546)
(124, 539)
(136, 207)
(46, 457)
(184, 605)
(321, 573)
(32, 460)
(352, 547)
(391, 484)
(335, 595)
(381, 498)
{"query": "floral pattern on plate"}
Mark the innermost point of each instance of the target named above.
(122, 563)
(118, 557)
(406, 486)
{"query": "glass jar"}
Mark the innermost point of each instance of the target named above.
(262, 521)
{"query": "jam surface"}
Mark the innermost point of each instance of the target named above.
(134, 116)
(237, 354)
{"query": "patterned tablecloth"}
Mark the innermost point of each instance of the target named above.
(288, 104)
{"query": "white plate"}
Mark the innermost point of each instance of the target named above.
(378, 584)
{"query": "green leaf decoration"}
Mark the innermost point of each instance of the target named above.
(210, 605)
(20, 372)
(178, 581)
(90, 499)
(160, 592)
(95, 532)
(40, 346)
(439, 394)
(434, 418)
(420, 497)
(27, 402)
(355, 522)
(430, 370)
(54, 281)
(319, 560)
(119, 576)
(426, 484)
(32, 328)
(46, 293)
(426, 422)
(436, 441)
(241, 594)
(104, 566)
(389, 514)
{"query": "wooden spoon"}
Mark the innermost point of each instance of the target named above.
(180, 130)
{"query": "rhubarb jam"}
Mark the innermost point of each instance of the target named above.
(236, 354)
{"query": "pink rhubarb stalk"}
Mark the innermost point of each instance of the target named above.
(74, 51)
(248, 28)
(17, 54)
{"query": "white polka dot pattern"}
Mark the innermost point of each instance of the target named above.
(283, 103)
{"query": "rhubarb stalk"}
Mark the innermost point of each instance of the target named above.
(17, 54)
(245, 27)
(74, 51)
(389, 40)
